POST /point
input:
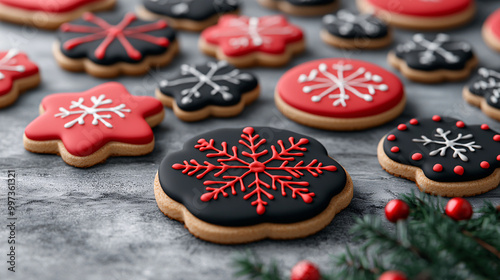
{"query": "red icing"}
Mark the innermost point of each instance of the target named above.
(460, 124)
(493, 23)
(485, 127)
(51, 6)
(395, 149)
(436, 118)
(485, 165)
(109, 33)
(391, 137)
(413, 121)
(422, 8)
(402, 127)
(258, 189)
(242, 35)
(85, 139)
(14, 65)
(416, 156)
(311, 87)
(496, 137)
(498, 157)
(459, 170)
(437, 167)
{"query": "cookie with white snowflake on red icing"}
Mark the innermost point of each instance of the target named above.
(107, 46)
(88, 127)
(443, 156)
(49, 14)
(421, 14)
(253, 41)
(491, 31)
(340, 94)
(242, 185)
(17, 74)
(302, 7)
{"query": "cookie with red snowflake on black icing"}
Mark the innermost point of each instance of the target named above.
(107, 46)
(243, 185)
(443, 155)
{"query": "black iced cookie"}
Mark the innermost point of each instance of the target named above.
(197, 10)
(308, 2)
(348, 25)
(484, 91)
(301, 7)
(212, 88)
(448, 152)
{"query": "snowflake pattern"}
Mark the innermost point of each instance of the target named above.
(428, 50)
(337, 86)
(191, 74)
(458, 148)
(8, 63)
(490, 81)
(93, 111)
(250, 162)
(347, 21)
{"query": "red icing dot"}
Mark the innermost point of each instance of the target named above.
(459, 170)
(413, 121)
(498, 157)
(395, 149)
(402, 127)
(496, 137)
(460, 124)
(436, 118)
(391, 137)
(485, 127)
(437, 168)
(416, 156)
(485, 165)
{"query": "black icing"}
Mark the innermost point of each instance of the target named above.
(349, 25)
(234, 83)
(309, 2)
(234, 210)
(486, 84)
(488, 152)
(415, 55)
(196, 10)
(115, 52)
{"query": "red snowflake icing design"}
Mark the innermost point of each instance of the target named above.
(254, 166)
(108, 33)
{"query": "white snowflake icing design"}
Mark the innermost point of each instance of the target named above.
(336, 82)
(427, 50)
(93, 111)
(491, 82)
(458, 148)
(348, 20)
(8, 63)
(193, 75)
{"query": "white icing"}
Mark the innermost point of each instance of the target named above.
(93, 111)
(457, 148)
(348, 20)
(9, 63)
(331, 82)
(192, 75)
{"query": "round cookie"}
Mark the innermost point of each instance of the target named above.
(250, 184)
(484, 92)
(17, 74)
(209, 89)
(349, 30)
(110, 46)
(253, 41)
(491, 31)
(49, 14)
(433, 58)
(191, 15)
(443, 155)
(421, 14)
(88, 127)
(340, 94)
(301, 7)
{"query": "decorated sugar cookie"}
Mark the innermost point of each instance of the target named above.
(49, 14)
(301, 7)
(242, 185)
(210, 89)
(349, 30)
(109, 46)
(250, 41)
(491, 31)
(433, 59)
(88, 127)
(443, 155)
(193, 15)
(17, 74)
(340, 94)
(484, 92)
(421, 14)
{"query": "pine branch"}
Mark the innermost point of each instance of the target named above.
(252, 267)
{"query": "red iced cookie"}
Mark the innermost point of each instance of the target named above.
(491, 31)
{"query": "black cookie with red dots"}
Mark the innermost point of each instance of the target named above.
(443, 155)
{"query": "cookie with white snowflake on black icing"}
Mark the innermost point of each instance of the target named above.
(346, 29)
(107, 46)
(484, 92)
(301, 7)
(443, 155)
(193, 15)
(210, 89)
(434, 58)
(246, 184)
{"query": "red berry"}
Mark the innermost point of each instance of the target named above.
(458, 209)
(396, 210)
(305, 270)
(393, 275)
